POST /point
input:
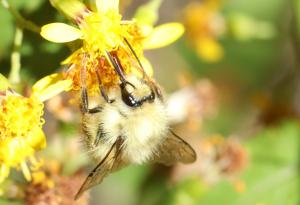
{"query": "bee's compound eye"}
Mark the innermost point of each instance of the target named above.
(128, 99)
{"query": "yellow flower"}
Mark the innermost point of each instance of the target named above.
(205, 26)
(21, 132)
(21, 121)
(104, 31)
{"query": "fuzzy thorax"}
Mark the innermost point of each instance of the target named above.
(142, 128)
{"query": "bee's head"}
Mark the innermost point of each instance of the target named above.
(136, 91)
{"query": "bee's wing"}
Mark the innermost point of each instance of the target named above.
(174, 149)
(111, 162)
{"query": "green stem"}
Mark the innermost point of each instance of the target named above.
(21, 21)
(14, 75)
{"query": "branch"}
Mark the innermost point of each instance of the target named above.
(21, 21)
(14, 75)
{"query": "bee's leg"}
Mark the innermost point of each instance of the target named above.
(85, 103)
(102, 90)
(84, 96)
(95, 110)
(84, 93)
(104, 95)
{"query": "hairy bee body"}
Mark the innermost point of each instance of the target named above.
(142, 128)
(130, 126)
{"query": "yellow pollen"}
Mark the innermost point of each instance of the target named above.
(102, 32)
(20, 132)
(18, 115)
(95, 62)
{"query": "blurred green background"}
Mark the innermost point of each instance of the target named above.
(258, 88)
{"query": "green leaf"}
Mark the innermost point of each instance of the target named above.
(148, 13)
(9, 202)
(244, 27)
(186, 192)
(272, 177)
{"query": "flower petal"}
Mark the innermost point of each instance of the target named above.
(4, 83)
(50, 86)
(26, 171)
(163, 35)
(148, 13)
(146, 30)
(71, 57)
(4, 172)
(37, 138)
(106, 5)
(60, 32)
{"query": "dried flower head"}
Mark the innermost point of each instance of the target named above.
(219, 158)
(231, 157)
(52, 188)
(193, 102)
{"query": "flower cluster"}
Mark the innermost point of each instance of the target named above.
(21, 122)
(21, 132)
(100, 31)
(104, 31)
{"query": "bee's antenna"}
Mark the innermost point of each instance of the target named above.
(116, 66)
(101, 88)
(152, 84)
(136, 57)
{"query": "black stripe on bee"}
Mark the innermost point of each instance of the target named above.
(100, 134)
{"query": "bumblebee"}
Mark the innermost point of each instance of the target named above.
(129, 125)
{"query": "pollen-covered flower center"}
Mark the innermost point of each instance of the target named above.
(95, 61)
(102, 31)
(20, 133)
(18, 115)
